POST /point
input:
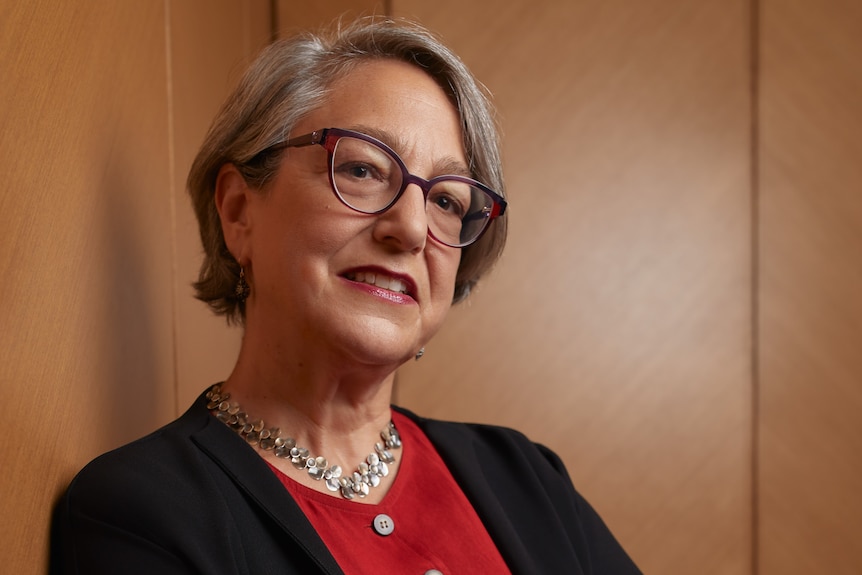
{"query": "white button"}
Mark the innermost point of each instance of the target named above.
(384, 525)
(433, 572)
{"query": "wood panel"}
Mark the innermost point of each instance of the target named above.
(294, 16)
(104, 106)
(811, 287)
(211, 45)
(86, 359)
(616, 329)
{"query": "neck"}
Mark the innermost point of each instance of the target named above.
(330, 405)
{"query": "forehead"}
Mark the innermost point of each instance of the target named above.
(389, 73)
(399, 102)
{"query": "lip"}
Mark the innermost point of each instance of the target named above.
(408, 281)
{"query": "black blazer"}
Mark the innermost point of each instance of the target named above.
(193, 497)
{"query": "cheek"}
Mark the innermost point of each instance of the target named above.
(444, 269)
(316, 229)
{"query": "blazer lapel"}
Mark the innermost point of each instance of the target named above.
(253, 476)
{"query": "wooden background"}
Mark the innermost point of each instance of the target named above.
(678, 313)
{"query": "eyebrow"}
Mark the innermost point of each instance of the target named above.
(446, 166)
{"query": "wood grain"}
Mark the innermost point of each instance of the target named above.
(810, 504)
(212, 44)
(616, 329)
(87, 354)
(98, 118)
(295, 16)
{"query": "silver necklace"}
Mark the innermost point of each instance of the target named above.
(359, 484)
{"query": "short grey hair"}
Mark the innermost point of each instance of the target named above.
(290, 79)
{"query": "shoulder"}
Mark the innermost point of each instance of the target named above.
(491, 459)
(522, 491)
(147, 505)
(492, 440)
(152, 456)
(165, 465)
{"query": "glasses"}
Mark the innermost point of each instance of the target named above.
(369, 177)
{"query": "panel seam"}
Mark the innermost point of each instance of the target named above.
(172, 172)
(754, 134)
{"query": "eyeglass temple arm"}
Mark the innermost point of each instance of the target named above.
(493, 212)
(306, 140)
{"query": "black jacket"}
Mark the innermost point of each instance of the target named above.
(193, 497)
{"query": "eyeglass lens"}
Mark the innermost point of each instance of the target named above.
(368, 179)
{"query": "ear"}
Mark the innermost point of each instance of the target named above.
(232, 196)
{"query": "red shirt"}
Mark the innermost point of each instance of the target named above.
(435, 526)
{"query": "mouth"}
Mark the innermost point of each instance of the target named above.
(383, 280)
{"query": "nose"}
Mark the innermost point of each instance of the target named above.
(405, 224)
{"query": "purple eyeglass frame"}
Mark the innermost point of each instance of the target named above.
(329, 137)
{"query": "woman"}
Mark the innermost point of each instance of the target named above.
(347, 193)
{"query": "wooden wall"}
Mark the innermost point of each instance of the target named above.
(809, 500)
(102, 105)
(617, 328)
(678, 313)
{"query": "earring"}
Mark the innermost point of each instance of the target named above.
(420, 353)
(242, 288)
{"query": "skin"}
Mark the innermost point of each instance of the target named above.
(319, 351)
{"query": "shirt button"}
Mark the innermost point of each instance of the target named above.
(433, 572)
(383, 524)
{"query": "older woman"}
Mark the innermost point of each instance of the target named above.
(347, 193)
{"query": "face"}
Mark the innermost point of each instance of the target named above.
(325, 278)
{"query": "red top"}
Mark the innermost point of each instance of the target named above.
(435, 526)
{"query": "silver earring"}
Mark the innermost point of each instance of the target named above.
(420, 353)
(242, 288)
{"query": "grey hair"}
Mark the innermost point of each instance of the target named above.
(290, 79)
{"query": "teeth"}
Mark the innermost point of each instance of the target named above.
(381, 281)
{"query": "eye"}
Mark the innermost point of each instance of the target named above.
(447, 202)
(359, 162)
(443, 202)
(357, 171)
